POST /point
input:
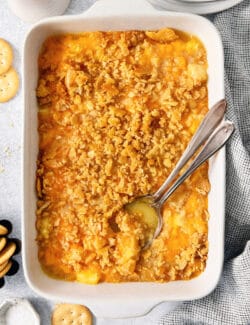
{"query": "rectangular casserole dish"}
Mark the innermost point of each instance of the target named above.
(137, 298)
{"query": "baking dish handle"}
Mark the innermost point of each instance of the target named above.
(107, 7)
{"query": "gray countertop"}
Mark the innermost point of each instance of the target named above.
(14, 30)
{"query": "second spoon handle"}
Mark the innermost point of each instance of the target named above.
(213, 144)
(206, 128)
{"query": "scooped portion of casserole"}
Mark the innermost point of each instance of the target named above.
(116, 111)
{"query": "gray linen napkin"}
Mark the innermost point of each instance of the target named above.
(230, 301)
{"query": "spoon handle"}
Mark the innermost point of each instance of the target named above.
(218, 138)
(206, 128)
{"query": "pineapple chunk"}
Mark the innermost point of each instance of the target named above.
(198, 72)
(89, 276)
(129, 249)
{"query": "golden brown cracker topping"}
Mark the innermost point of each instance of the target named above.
(116, 111)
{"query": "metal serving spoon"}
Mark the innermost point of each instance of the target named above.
(150, 206)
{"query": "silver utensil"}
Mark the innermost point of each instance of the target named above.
(217, 134)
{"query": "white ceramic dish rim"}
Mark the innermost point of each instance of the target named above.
(106, 300)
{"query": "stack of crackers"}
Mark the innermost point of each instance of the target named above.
(9, 81)
(7, 250)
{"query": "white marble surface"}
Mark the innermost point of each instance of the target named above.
(14, 30)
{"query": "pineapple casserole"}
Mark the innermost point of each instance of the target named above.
(116, 111)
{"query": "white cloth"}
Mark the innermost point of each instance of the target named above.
(229, 304)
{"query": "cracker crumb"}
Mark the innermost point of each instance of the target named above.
(116, 111)
(2, 169)
(7, 151)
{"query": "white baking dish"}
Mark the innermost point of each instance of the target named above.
(124, 299)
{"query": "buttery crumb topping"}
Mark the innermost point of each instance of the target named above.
(116, 111)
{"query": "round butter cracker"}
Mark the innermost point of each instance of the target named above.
(6, 56)
(6, 269)
(9, 83)
(67, 314)
(2, 266)
(7, 252)
(3, 242)
(3, 230)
